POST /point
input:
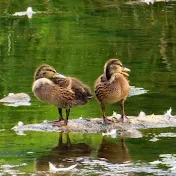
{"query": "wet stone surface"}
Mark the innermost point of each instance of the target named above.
(18, 99)
(129, 128)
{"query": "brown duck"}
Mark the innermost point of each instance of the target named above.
(112, 86)
(63, 92)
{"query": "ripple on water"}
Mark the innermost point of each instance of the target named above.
(101, 167)
(104, 168)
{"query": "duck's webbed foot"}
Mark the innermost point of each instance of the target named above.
(124, 118)
(59, 120)
(107, 121)
(59, 123)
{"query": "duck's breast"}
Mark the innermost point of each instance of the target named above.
(110, 92)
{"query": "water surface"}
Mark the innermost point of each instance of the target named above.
(77, 38)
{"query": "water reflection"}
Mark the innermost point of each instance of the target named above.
(64, 154)
(79, 43)
(67, 153)
(113, 152)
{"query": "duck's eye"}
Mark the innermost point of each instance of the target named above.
(51, 71)
(120, 65)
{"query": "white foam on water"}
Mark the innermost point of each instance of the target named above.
(54, 169)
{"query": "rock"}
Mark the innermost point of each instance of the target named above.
(18, 99)
(96, 125)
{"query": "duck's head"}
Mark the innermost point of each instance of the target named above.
(114, 66)
(45, 71)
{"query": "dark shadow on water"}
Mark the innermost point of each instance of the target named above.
(67, 153)
(63, 155)
(113, 152)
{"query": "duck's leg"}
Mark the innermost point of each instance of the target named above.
(123, 116)
(60, 118)
(67, 115)
(105, 119)
(60, 114)
(59, 122)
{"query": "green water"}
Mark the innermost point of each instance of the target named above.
(77, 38)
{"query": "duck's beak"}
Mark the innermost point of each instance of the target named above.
(60, 75)
(124, 71)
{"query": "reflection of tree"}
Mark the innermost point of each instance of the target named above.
(78, 42)
(167, 40)
(63, 155)
(162, 46)
(113, 152)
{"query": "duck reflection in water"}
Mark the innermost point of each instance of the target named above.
(63, 155)
(113, 152)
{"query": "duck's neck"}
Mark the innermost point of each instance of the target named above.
(36, 77)
(114, 76)
(108, 74)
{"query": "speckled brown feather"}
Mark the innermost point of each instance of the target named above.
(112, 86)
(61, 92)
(111, 92)
(58, 96)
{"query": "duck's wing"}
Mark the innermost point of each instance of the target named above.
(82, 91)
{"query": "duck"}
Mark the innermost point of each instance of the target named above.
(112, 86)
(60, 91)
